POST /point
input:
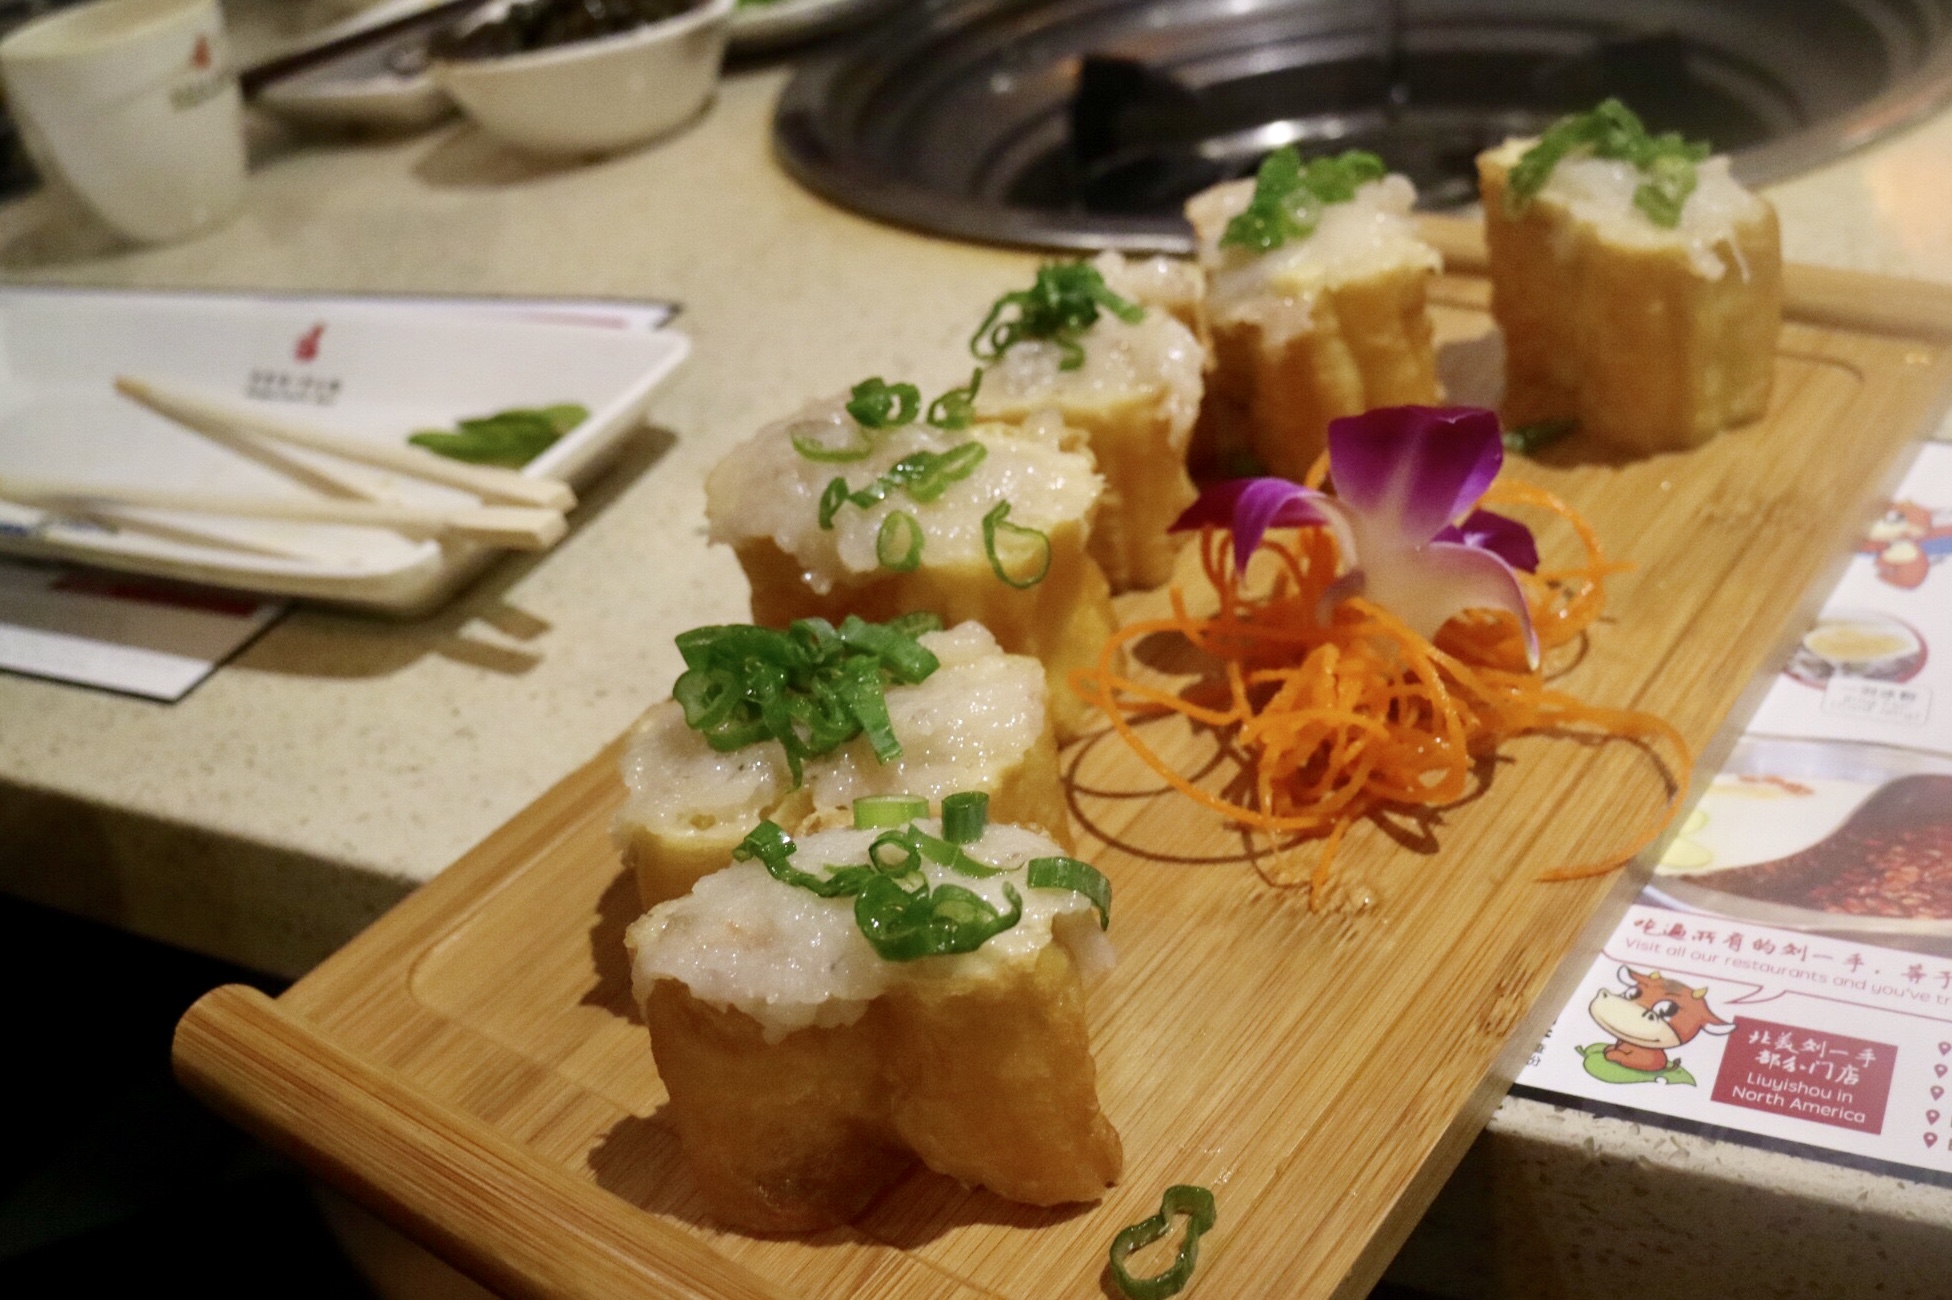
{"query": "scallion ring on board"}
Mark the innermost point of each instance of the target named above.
(1196, 1203)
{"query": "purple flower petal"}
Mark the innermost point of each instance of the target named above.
(1429, 586)
(1248, 507)
(1419, 466)
(1504, 537)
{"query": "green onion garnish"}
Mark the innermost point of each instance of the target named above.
(898, 545)
(812, 687)
(964, 815)
(878, 405)
(1611, 130)
(903, 924)
(775, 848)
(1196, 1203)
(1058, 308)
(874, 811)
(998, 520)
(1289, 196)
(874, 404)
(813, 449)
(920, 846)
(923, 475)
(956, 409)
(511, 438)
(1529, 438)
(1068, 873)
(899, 914)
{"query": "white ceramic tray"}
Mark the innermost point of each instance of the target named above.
(376, 369)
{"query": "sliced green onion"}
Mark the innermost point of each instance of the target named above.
(774, 848)
(945, 854)
(1666, 162)
(923, 475)
(1070, 873)
(812, 448)
(1058, 308)
(964, 816)
(934, 476)
(1289, 196)
(905, 925)
(894, 643)
(901, 921)
(910, 859)
(878, 405)
(956, 409)
(874, 811)
(997, 520)
(811, 688)
(898, 544)
(1529, 438)
(831, 500)
(858, 690)
(708, 697)
(1196, 1203)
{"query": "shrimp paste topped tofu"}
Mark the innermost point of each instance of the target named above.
(1650, 337)
(1004, 544)
(978, 722)
(1135, 392)
(807, 1073)
(1330, 324)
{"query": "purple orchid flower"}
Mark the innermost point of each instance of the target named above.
(1408, 480)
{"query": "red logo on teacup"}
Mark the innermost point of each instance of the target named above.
(307, 347)
(200, 56)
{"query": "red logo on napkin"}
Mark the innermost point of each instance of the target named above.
(307, 348)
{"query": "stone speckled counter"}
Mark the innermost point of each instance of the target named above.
(342, 759)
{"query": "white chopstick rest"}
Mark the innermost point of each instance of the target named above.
(198, 411)
(520, 528)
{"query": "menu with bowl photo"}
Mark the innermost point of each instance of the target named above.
(1786, 976)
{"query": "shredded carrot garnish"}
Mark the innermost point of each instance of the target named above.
(1340, 719)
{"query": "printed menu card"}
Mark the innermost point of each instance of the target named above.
(1787, 973)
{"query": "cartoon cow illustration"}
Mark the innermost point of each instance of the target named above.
(1656, 1017)
(1907, 541)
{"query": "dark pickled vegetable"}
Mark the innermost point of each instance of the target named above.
(542, 24)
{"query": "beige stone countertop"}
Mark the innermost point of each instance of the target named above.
(342, 759)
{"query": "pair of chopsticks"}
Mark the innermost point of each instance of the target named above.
(519, 512)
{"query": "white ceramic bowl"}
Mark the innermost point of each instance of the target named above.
(596, 96)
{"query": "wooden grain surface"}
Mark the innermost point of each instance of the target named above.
(1321, 1071)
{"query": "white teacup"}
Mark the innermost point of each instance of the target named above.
(133, 106)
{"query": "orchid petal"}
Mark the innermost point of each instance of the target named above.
(1429, 586)
(1248, 507)
(1504, 537)
(1418, 467)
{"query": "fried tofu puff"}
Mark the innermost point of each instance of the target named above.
(1651, 338)
(1135, 394)
(806, 1073)
(1026, 508)
(1332, 324)
(978, 722)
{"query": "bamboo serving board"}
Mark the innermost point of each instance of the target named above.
(472, 1067)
